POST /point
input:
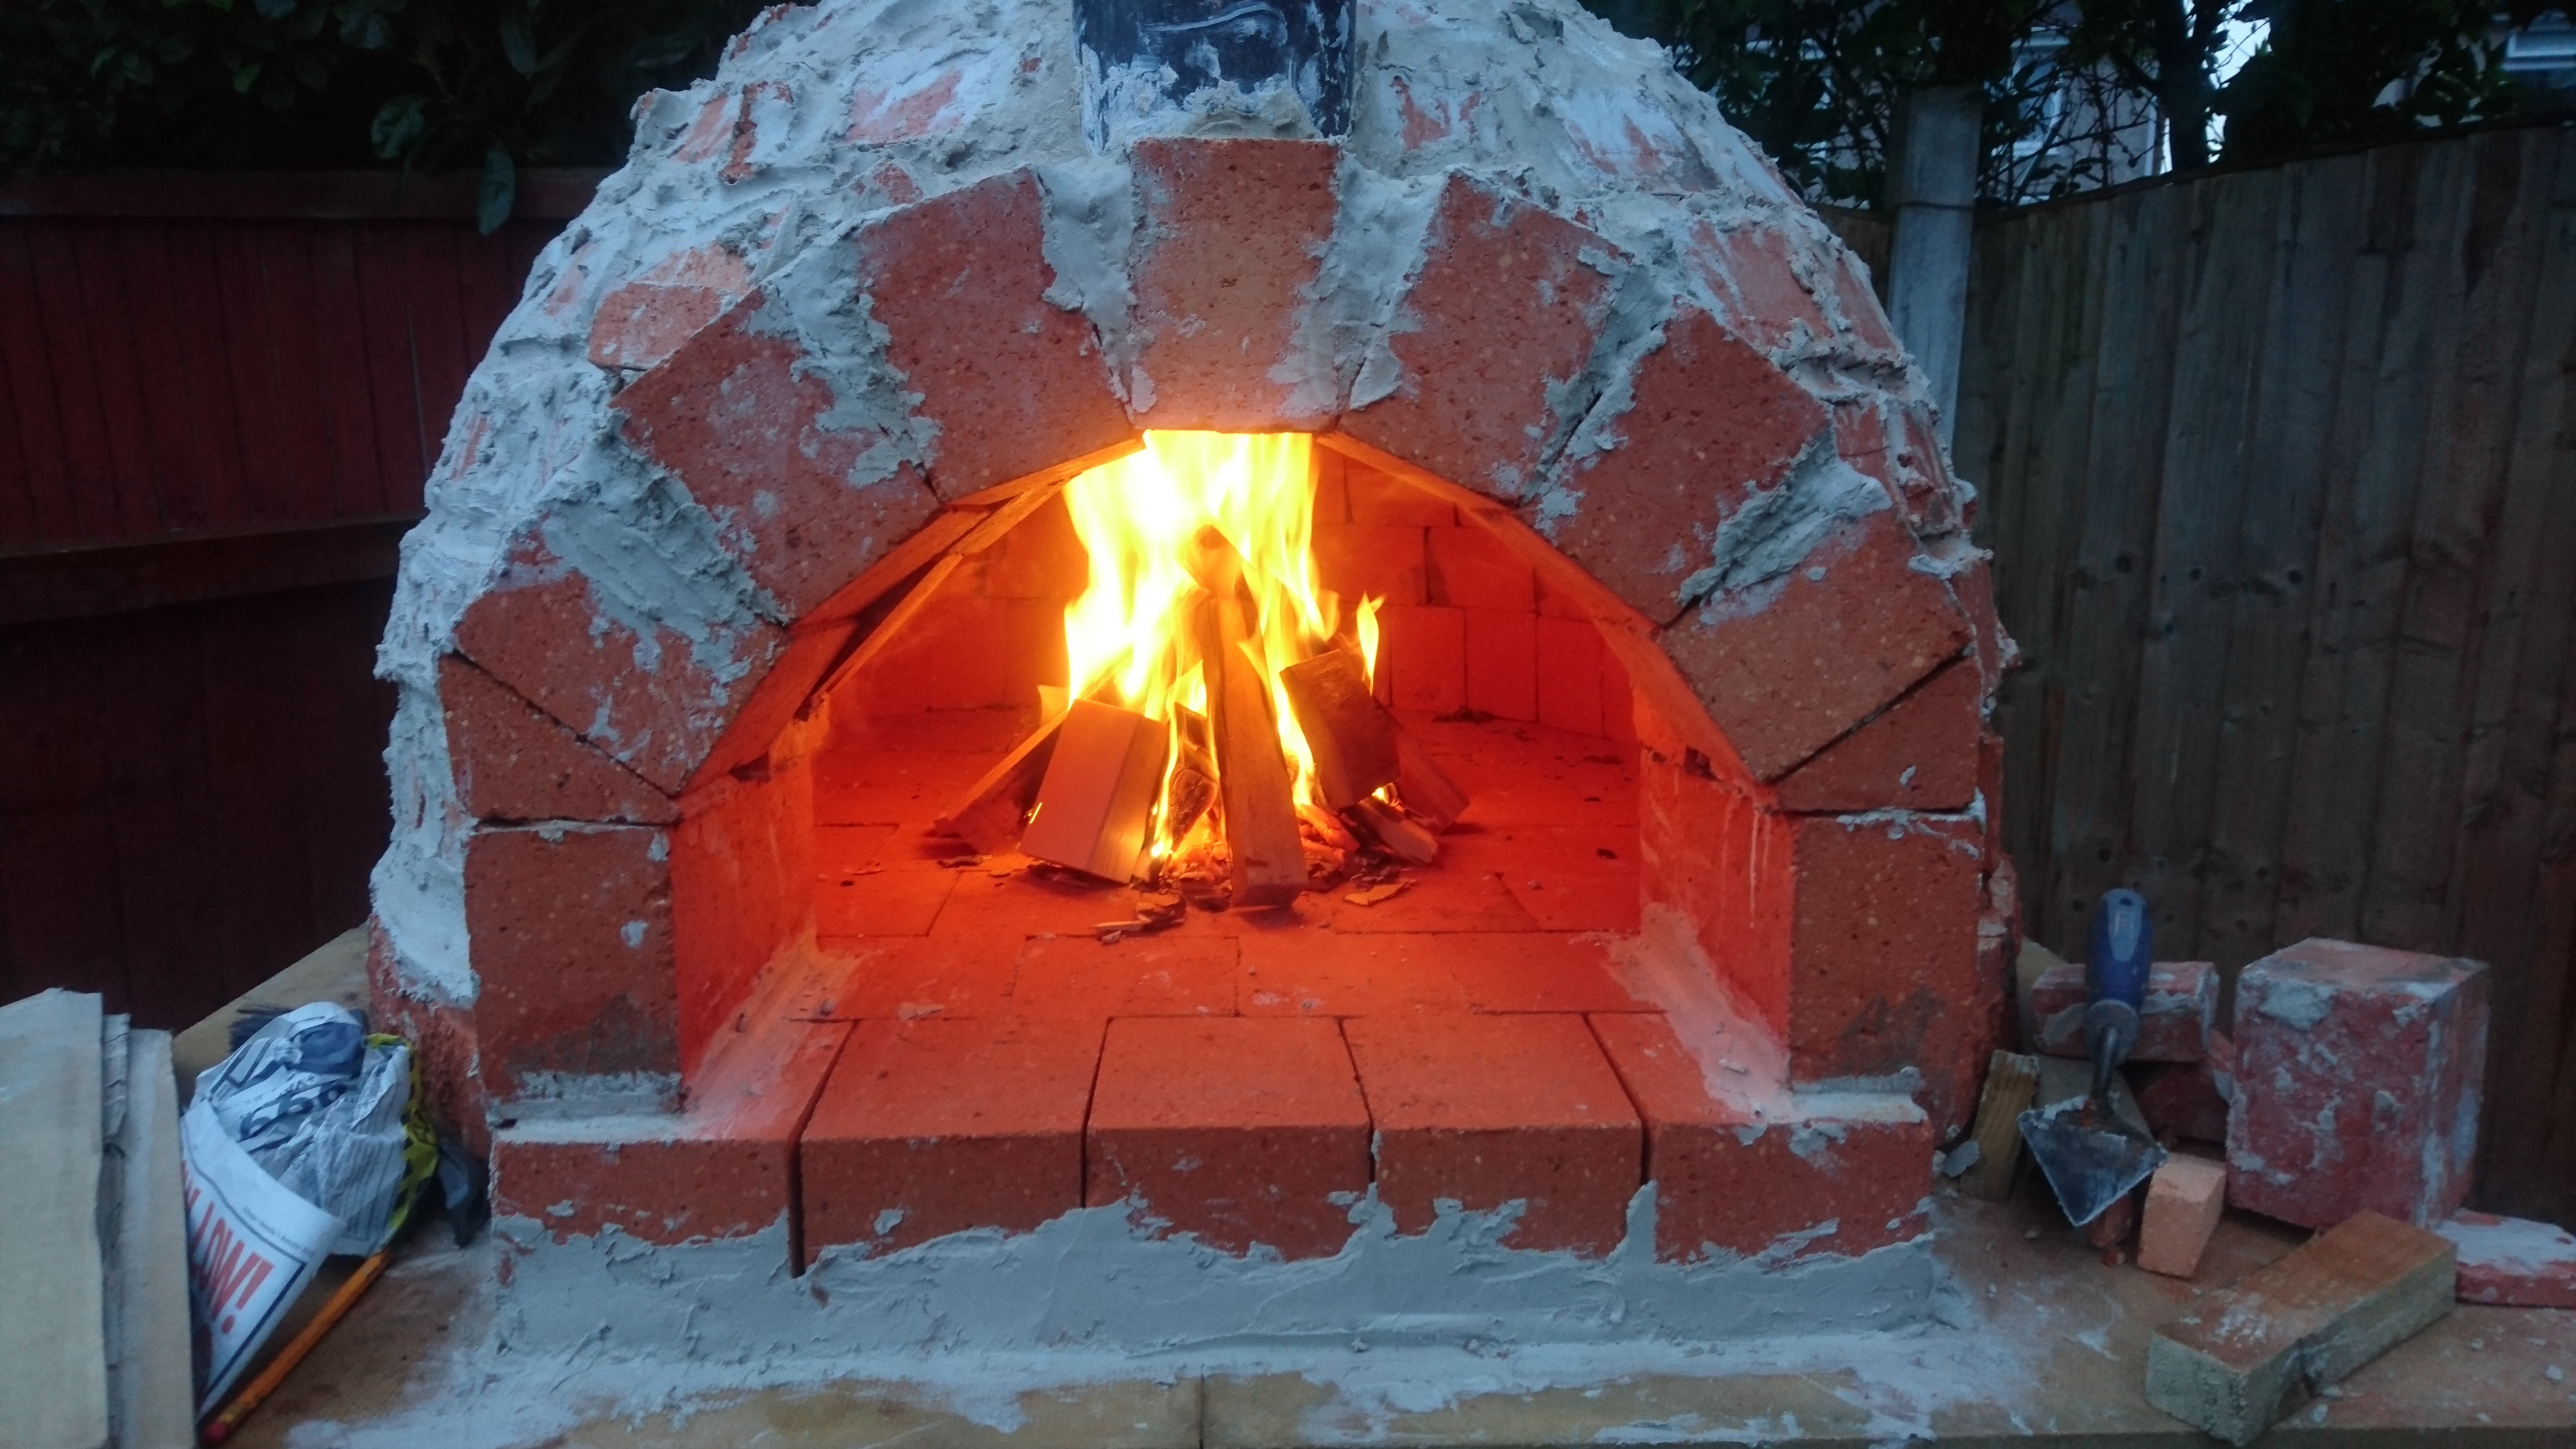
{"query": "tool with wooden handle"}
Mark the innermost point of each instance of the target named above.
(221, 1426)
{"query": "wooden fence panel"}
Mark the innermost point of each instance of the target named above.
(2298, 607)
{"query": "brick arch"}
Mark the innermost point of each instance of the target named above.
(894, 398)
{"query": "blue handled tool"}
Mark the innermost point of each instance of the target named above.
(2090, 1157)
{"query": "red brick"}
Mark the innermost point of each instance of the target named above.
(2184, 1202)
(954, 655)
(656, 705)
(2188, 1099)
(1486, 1111)
(1996, 653)
(1843, 1172)
(2174, 1024)
(1618, 699)
(777, 698)
(1748, 268)
(1919, 753)
(912, 977)
(1285, 973)
(641, 323)
(1380, 498)
(1511, 972)
(514, 762)
(1710, 420)
(1848, 630)
(741, 859)
(894, 901)
(1920, 478)
(1013, 382)
(1240, 1130)
(1510, 299)
(1424, 652)
(1859, 306)
(721, 1169)
(1883, 957)
(443, 1045)
(1717, 860)
(2513, 1262)
(1078, 977)
(942, 1126)
(741, 419)
(1568, 877)
(574, 953)
(1502, 663)
(1472, 569)
(1569, 675)
(1230, 242)
(1357, 560)
(2357, 1073)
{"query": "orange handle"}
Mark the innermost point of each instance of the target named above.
(221, 1426)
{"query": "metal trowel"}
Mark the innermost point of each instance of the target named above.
(2092, 1157)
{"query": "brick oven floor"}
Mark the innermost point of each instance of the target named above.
(1008, 1065)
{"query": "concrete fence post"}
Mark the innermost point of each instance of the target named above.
(1933, 184)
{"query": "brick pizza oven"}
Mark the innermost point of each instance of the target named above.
(749, 550)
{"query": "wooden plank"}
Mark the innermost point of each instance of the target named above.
(2371, 467)
(2106, 619)
(86, 581)
(1266, 854)
(2452, 541)
(2200, 505)
(151, 1396)
(255, 852)
(295, 356)
(2266, 615)
(1096, 804)
(2241, 1359)
(487, 287)
(261, 411)
(888, 629)
(90, 469)
(173, 422)
(441, 353)
(546, 194)
(337, 721)
(200, 348)
(345, 401)
(2507, 904)
(990, 814)
(26, 459)
(57, 851)
(404, 445)
(2011, 1081)
(109, 326)
(159, 813)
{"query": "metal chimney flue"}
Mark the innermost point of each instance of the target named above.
(1255, 67)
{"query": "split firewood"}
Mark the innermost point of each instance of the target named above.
(1328, 828)
(1394, 833)
(1425, 789)
(1351, 735)
(989, 815)
(1371, 895)
(1097, 801)
(1257, 793)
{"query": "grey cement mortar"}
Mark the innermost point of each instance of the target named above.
(1541, 100)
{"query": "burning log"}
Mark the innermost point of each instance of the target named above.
(1351, 735)
(1395, 834)
(1096, 803)
(1425, 790)
(1257, 793)
(989, 815)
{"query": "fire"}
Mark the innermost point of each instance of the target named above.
(1168, 529)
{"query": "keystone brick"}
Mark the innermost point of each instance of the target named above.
(940, 1126)
(721, 1169)
(570, 931)
(2513, 1261)
(1919, 753)
(2184, 1201)
(514, 762)
(738, 415)
(1241, 1130)
(1509, 301)
(1014, 382)
(1232, 238)
(1850, 629)
(1486, 1111)
(1839, 1173)
(1711, 421)
(2174, 1023)
(2357, 1072)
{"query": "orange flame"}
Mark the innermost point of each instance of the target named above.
(1129, 637)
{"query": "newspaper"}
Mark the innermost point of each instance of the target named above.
(252, 1246)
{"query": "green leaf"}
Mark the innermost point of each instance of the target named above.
(398, 126)
(497, 192)
(518, 45)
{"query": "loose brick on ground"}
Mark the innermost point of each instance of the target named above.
(2184, 1201)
